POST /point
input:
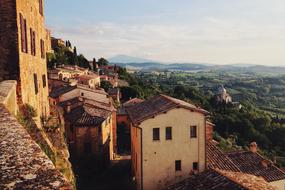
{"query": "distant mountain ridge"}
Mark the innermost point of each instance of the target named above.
(128, 59)
(145, 64)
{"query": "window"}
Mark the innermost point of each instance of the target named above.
(41, 7)
(42, 49)
(155, 134)
(168, 133)
(87, 148)
(33, 41)
(195, 166)
(23, 26)
(178, 165)
(82, 94)
(44, 81)
(36, 83)
(193, 131)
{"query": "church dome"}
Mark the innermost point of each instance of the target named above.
(222, 90)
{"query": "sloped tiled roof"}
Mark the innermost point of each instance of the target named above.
(255, 164)
(216, 159)
(132, 102)
(222, 180)
(56, 92)
(156, 105)
(87, 116)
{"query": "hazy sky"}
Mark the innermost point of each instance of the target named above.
(206, 31)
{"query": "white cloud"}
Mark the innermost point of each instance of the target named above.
(209, 39)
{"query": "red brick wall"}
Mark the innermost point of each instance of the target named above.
(9, 58)
(209, 131)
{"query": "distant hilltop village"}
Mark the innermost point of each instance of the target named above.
(60, 114)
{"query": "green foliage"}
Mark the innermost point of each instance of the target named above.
(130, 92)
(83, 62)
(26, 115)
(261, 119)
(64, 56)
(106, 85)
(103, 62)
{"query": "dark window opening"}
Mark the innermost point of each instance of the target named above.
(44, 81)
(23, 27)
(82, 94)
(41, 7)
(155, 134)
(87, 148)
(193, 131)
(36, 83)
(195, 166)
(33, 41)
(42, 49)
(168, 133)
(178, 165)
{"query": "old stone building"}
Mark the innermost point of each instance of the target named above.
(89, 129)
(222, 96)
(167, 141)
(89, 117)
(90, 80)
(23, 51)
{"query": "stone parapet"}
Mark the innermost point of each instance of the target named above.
(23, 165)
(8, 95)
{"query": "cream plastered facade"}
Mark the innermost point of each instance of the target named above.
(29, 64)
(91, 83)
(154, 166)
(280, 184)
(86, 93)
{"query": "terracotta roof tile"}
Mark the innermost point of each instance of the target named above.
(219, 179)
(255, 164)
(156, 105)
(55, 93)
(216, 159)
(87, 116)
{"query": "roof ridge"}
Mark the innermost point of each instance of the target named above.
(220, 172)
(271, 162)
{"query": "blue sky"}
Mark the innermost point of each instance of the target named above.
(205, 31)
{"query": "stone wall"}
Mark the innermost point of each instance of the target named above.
(23, 164)
(8, 96)
(9, 67)
(22, 66)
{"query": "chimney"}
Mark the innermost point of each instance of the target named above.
(253, 147)
(209, 131)
(68, 107)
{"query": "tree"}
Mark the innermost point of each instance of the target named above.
(129, 92)
(83, 62)
(103, 62)
(74, 57)
(94, 65)
(106, 85)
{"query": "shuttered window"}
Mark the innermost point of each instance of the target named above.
(41, 7)
(25, 36)
(44, 81)
(33, 41)
(36, 83)
(42, 49)
(23, 28)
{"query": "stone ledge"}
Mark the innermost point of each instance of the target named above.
(8, 95)
(23, 165)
